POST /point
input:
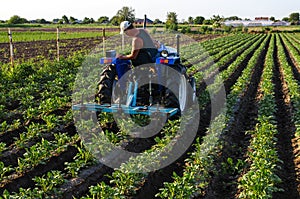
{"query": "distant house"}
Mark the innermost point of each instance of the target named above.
(261, 18)
(141, 22)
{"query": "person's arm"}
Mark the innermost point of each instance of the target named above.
(137, 44)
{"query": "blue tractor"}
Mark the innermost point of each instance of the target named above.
(161, 87)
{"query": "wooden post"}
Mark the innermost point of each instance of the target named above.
(57, 42)
(178, 43)
(11, 47)
(145, 22)
(103, 37)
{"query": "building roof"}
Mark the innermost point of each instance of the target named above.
(261, 18)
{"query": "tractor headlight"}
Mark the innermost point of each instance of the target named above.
(164, 53)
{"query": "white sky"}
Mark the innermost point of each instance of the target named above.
(37, 9)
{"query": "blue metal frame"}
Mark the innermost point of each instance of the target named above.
(117, 108)
(130, 106)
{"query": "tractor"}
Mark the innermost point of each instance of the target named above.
(160, 87)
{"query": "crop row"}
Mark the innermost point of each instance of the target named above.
(133, 180)
(260, 181)
(293, 85)
(200, 165)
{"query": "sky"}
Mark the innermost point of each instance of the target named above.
(51, 9)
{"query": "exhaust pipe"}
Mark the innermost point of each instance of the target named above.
(178, 43)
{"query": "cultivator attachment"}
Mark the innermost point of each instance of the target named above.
(128, 108)
(133, 110)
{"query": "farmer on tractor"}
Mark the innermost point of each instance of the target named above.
(166, 90)
(144, 48)
(163, 81)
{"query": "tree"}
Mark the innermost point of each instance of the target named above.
(233, 18)
(217, 18)
(55, 20)
(61, 21)
(207, 22)
(42, 21)
(286, 19)
(172, 22)
(103, 19)
(126, 14)
(65, 19)
(16, 20)
(87, 20)
(72, 20)
(204, 29)
(272, 18)
(199, 20)
(157, 21)
(294, 18)
(228, 29)
(191, 20)
(115, 21)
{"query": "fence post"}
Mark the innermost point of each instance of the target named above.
(11, 47)
(178, 43)
(145, 22)
(103, 37)
(57, 42)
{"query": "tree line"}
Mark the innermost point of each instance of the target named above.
(128, 13)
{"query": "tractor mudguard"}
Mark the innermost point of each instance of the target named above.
(122, 66)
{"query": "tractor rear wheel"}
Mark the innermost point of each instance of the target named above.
(105, 85)
(176, 93)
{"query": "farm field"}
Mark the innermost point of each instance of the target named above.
(247, 148)
(41, 43)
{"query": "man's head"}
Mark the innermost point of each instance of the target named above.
(124, 26)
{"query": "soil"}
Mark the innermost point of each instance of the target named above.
(40, 50)
(47, 49)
